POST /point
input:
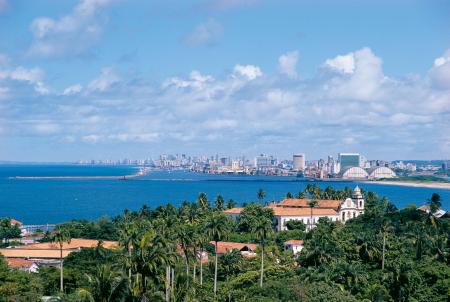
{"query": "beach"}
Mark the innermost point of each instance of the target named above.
(419, 184)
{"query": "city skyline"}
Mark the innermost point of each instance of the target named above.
(115, 78)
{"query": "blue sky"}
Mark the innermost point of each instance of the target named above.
(115, 78)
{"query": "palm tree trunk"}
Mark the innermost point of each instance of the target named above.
(262, 263)
(194, 272)
(310, 221)
(129, 270)
(61, 276)
(167, 283)
(384, 248)
(201, 267)
(215, 273)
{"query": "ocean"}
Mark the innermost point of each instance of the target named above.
(41, 201)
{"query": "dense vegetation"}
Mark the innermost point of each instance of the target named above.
(384, 255)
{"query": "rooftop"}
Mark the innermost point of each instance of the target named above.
(19, 263)
(226, 247)
(34, 253)
(234, 211)
(280, 211)
(304, 203)
(75, 243)
(294, 242)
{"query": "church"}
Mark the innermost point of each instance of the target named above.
(300, 209)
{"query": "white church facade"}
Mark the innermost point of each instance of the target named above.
(299, 209)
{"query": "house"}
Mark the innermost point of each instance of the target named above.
(300, 209)
(295, 246)
(440, 213)
(246, 249)
(49, 253)
(22, 264)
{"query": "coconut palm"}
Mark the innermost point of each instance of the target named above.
(386, 228)
(60, 237)
(150, 255)
(261, 227)
(106, 285)
(231, 204)
(312, 204)
(203, 201)
(220, 203)
(261, 195)
(217, 226)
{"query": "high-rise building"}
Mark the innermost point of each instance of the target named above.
(298, 162)
(348, 160)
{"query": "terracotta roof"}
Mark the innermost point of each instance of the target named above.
(303, 203)
(74, 244)
(294, 242)
(226, 247)
(34, 253)
(234, 211)
(19, 263)
(424, 208)
(15, 222)
(280, 211)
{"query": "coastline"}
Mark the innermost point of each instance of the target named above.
(140, 172)
(420, 184)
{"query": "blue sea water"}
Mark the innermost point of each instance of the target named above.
(39, 201)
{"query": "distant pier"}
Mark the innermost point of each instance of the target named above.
(141, 172)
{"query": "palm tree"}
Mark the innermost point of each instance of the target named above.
(220, 203)
(217, 226)
(106, 285)
(312, 204)
(127, 236)
(150, 255)
(261, 194)
(61, 236)
(385, 229)
(261, 227)
(203, 201)
(231, 204)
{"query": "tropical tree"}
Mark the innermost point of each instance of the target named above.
(312, 204)
(231, 204)
(386, 228)
(60, 237)
(220, 203)
(261, 227)
(261, 195)
(217, 226)
(203, 201)
(106, 285)
(289, 195)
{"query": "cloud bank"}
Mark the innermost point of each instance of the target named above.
(349, 104)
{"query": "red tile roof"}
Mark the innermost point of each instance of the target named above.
(226, 247)
(280, 211)
(19, 263)
(74, 244)
(294, 242)
(303, 203)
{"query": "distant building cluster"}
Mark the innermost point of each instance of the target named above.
(343, 166)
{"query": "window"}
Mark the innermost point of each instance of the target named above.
(354, 214)
(343, 216)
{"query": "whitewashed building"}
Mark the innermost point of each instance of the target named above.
(299, 209)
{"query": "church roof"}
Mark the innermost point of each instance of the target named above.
(304, 203)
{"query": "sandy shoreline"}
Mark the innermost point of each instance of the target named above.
(421, 184)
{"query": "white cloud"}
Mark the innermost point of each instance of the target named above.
(287, 64)
(332, 110)
(250, 72)
(106, 80)
(440, 72)
(204, 34)
(74, 89)
(72, 34)
(344, 63)
(33, 76)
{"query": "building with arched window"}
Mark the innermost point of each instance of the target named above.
(300, 210)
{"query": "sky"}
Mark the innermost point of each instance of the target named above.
(111, 79)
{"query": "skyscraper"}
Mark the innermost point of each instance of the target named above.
(349, 160)
(299, 162)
